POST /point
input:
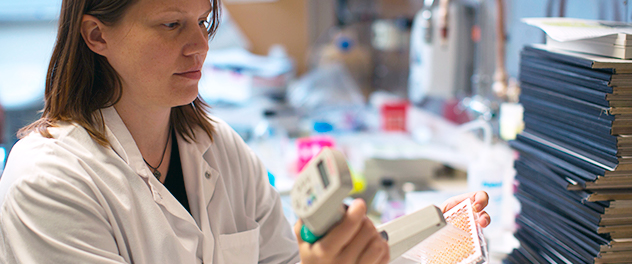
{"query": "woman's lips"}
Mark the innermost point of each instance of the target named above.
(196, 75)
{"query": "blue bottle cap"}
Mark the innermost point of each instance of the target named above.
(323, 127)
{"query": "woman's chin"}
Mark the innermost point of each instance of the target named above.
(185, 96)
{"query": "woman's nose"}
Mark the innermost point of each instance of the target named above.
(197, 42)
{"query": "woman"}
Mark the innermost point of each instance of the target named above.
(125, 166)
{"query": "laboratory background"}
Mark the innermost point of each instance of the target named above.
(426, 99)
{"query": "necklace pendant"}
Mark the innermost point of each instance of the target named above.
(157, 174)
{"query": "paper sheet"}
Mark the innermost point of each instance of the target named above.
(568, 29)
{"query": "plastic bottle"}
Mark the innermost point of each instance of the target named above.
(266, 127)
(486, 171)
(270, 142)
(394, 206)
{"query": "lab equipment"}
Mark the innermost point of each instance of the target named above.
(328, 86)
(441, 59)
(317, 199)
(460, 241)
(407, 231)
(328, 93)
(318, 193)
(249, 75)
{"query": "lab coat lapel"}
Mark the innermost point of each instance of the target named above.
(200, 180)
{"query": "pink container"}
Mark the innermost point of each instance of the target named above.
(308, 147)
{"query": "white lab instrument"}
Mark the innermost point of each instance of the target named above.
(318, 193)
(405, 232)
(317, 199)
(441, 50)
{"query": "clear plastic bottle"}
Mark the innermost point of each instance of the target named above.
(394, 206)
(270, 142)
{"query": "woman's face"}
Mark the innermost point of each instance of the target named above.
(158, 49)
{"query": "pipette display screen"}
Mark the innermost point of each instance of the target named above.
(323, 174)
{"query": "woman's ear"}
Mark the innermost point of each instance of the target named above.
(92, 33)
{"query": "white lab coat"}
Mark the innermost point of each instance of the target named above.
(70, 200)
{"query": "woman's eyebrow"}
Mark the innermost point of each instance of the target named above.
(178, 10)
(172, 9)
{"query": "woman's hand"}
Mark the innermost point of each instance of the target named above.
(353, 240)
(479, 202)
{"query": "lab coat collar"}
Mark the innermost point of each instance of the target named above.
(122, 142)
(124, 145)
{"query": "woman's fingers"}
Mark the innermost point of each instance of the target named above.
(352, 251)
(454, 201)
(342, 234)
(386, 258)
(375, 251)
(483, 219)
(297, 230)
(479, 201)
(303, 246)
(353, 240)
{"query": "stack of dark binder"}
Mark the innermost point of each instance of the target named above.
(574, 172)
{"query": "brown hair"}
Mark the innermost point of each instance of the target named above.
(79, 81)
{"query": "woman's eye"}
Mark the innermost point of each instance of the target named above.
(171, 25)
(204, 23)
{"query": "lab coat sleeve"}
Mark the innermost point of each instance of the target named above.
(277, 242)
(53, 220)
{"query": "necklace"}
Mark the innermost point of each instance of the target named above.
(154, 170)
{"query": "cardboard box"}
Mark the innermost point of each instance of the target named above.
(390, 9)
(295, 24)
